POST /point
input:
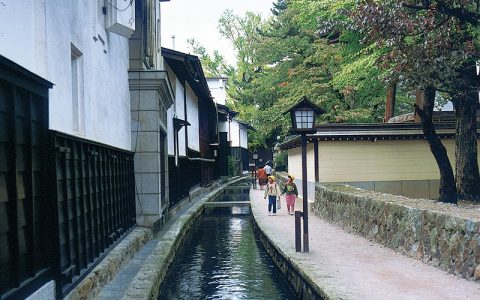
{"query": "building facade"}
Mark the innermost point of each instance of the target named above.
(192, 124)
(79, 84)
(218, 89)
(232, 132)
(391, 158)
(239, 142)
(151, 95)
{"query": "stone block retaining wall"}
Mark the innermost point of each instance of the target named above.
(442, 235)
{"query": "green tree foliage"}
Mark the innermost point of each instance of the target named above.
(305, 48)
(308, 47)
(213, 65)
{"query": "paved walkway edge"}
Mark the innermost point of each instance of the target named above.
(147, 282)
(302, 284)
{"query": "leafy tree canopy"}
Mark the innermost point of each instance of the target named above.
(307, 48)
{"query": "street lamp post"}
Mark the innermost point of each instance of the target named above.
(303, 116)
(254, 171)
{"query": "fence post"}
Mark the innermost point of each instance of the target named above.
(298, 239)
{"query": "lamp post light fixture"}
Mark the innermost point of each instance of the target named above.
(254, 171)
(255, 155)
(303, 115)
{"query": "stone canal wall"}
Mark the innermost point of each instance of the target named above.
(301, 283)
(103, 273)
(146, 284)
(443, 235)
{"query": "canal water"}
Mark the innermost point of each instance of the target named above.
(222, 259)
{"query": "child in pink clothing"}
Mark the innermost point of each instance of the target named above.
(290, 189)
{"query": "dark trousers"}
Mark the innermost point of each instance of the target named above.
(272, 201)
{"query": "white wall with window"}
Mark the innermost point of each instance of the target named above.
(67, 43)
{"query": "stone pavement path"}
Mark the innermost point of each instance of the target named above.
(346, 266)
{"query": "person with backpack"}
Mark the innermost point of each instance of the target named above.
(272, 191)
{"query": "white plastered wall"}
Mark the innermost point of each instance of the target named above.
(218, 89)
(39, 36)
(177, 110)
(234, 133)
(243, 136)
(192, 117)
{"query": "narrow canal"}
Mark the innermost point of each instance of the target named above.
(222, 259)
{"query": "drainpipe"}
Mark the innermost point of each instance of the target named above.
(185, 116)
(229, 129)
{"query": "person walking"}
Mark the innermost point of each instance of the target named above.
(291, 191)
(272, 191)
(262, 177)
(268, 168)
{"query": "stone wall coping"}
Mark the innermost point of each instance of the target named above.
(464, 210)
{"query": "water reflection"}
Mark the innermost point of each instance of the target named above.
(222, 260)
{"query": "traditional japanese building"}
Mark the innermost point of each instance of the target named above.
(232, 132)
(72, 116)
(392, 157)
(192, 124)
(239, 142)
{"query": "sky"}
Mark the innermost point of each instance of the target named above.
(198, 19)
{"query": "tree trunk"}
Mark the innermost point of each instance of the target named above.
(448, 192)
(467, 173)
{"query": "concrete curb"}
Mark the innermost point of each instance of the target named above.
(147, 282)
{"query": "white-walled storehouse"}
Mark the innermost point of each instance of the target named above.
(232, 130)
(69, 44)
(82, 87)
(192, 127)
(239, 141)
(218, 89)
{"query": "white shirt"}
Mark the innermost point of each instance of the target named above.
(268, 169)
